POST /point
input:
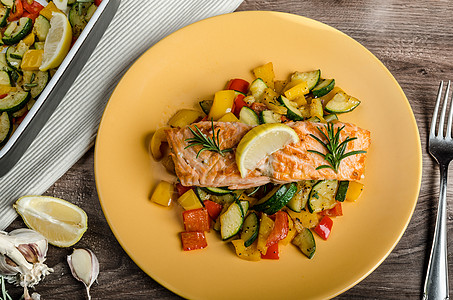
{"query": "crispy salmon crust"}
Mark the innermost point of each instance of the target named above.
(292, 163)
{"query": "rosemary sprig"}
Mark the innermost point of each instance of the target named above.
(208, 143)
(335, 149)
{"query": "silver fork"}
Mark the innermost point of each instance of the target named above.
(441, 148)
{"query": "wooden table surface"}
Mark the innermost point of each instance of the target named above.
(414, 40)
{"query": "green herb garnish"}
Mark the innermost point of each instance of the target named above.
(4, 293)
(335, 148)
(208, 143)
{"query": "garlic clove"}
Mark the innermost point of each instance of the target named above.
(84, 267)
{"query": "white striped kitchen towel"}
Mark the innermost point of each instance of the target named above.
(71, 130)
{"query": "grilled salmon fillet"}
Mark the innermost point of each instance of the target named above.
(292, 163)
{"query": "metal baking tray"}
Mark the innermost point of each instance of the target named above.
(58, 86)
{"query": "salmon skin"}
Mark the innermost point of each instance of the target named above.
(289, 164)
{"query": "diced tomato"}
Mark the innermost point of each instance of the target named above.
(239, 85)
(17, 11)
(97, 2)
(213, 208)
(258, 107)
(31, 16)
(193, 240)
(281, 228)
(33, 8)
(272, 252)
(181, 189)
(239, 103)
(196, 219)
(324, 227)
(3, 96)
(336, 211)
(284, 119)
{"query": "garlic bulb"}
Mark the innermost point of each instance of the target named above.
(84, 267)
(22, 255)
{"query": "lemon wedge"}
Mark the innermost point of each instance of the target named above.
(59, 221)
(58, 41)
(261, 141)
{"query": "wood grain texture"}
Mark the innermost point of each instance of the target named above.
(414, 40)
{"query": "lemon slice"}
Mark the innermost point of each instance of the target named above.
(58, 41)
(261, 141)
(59, 221)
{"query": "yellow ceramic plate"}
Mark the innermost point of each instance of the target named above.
(189, 66)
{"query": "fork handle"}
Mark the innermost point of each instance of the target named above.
(436, 282)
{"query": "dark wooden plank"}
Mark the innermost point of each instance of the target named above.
(414, 40)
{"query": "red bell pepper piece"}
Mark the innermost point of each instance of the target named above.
(19, 120)
(196, 219)
(336, 211)
(34, 8)
(280, 230)
(239, 85)
(258, 107)
(324, 227)
(272, 252)
(193, 240)
(181, 189)
(29, 15)
(3, 96)
(239, 103)
(16, 12)
(213, 208)
(97, 2)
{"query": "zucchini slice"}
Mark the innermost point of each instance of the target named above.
(216, 190)
(41, 27)
(250, 229)
(245, 206)
(14, 101)
(292, 112)
(77, 18)
(322, 196)
(206, 105)
(6, 127)
(13, 63)
(8, 3)
(306, 242)
(4, 14)
(342, 103)
(342, 190)
(231, 221)
(202, 194)
(248, 116)
(311, 77)
(5, 79)
(276, 199)
(22, 30)
(257, 88)
(323, 87)
(3, 64)
(268, 116)
(35, 82)
(331, 118)
(299, 201)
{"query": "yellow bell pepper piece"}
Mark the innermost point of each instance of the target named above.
(304, 219)
(185, 117)
(266, 73)
(229, 117)
(163, 194)
(316, 109)
(156, 141)
(248, 253)
(298, 90)
(189, 200)
(354, 191)
(223, 103)
(31, 61)
(48, 10)
(29, 39)
(266, 226)
(5, 89)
